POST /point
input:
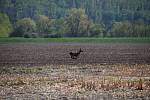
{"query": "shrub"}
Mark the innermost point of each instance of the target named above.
(5, 25)
(31, 35)
(17, 33)
(26, 25)
(26, 36)
(22, 26)
(52, 36)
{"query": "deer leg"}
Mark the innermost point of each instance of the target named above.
(72, 57)
(75, 57)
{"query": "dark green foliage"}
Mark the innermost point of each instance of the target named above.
(18, 32)
(101, 12)
(43, 23)
(97, 30)
(31, 35)
(26, 36)
(128, 29)
(77, 22)
(58, 27)
(98, 10)
(25, 25)
(52, 36)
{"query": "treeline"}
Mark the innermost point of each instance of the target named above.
(103, 18)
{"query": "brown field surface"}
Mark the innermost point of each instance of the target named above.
(58, 53)
(45, 71)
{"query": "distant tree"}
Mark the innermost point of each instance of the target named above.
(43, 24)
(97, 30)
(84, 26)
(25, 25)
(147, 31)
(99, 11)
(18, 32)
(77, 22)
(108, 17)
(58, 27)
(147, 17)
(5, 25)
(139, 30)
(125, 28)
(121, 29)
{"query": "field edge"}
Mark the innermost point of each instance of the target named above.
(75, 40)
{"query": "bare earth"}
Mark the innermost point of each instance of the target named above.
(30, 71)
(54, 53)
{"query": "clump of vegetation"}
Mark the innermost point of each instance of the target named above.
(88, 18)
(113, 83)
(5, 25)
(43, 23)
(23, 26)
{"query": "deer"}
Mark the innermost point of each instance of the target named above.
(75, 55)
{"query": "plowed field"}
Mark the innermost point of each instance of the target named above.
(45, 71)
(57, 53)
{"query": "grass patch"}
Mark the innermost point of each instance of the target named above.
(75, 40)
(25, 70)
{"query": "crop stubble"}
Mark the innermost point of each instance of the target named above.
(66, 79)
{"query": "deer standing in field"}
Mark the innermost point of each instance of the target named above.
(75, 55)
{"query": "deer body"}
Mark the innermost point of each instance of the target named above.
(75, 55)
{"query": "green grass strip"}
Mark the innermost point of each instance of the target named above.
(75, 40)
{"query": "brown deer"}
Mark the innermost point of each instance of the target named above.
(75, 55)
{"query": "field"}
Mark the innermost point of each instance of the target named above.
(58, 53)
(45, 71)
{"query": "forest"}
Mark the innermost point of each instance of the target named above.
(74, 18)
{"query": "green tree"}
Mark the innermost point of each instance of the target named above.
(140, 30)
(77, 22)
(58, 27)
(97, 30)
(24, 26)
(147, 31)
(5, 25)
(99, 11)
(43, 24)
(121, 29)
